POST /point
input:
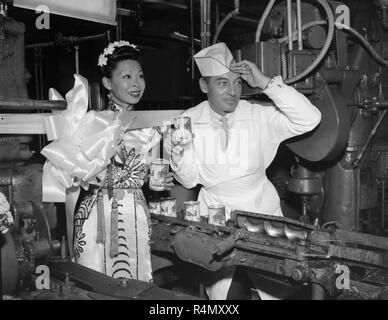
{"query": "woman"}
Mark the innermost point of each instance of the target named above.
(111, 226)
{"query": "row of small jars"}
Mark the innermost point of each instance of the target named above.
(192, 212)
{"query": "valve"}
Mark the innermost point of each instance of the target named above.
(67, 286)
(299, 274)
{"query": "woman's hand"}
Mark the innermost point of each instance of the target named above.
(251, 74)
(167, 184)
(168, 181)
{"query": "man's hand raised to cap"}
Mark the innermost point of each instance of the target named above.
(250, 73)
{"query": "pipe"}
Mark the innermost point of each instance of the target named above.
(36, 73)
(262, 19)
(289, 25)
(217, 14)
(383, 204)
(71, 40)
(192, 50)
(358, 57)
(2, 242)
(299, 23)
(384, 13)
(76, 56)
(118, 28)
(384, 19)
(325, 47)
(182, 37)
(40, 64)
(350, 30)
(283, 58)
(208, 22)
(231, 14)
(167, 3)
(204, 23)
(245, 19)
(381, 104)
(367, 45)
(3, 9)
(30, 104)
(202, 14)
(39, 87)
(304, 28)
(126, 12)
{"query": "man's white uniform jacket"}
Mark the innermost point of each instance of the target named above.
(236, 177)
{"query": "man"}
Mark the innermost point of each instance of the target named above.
(235, 141)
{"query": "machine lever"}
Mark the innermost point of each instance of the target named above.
(368, 141)
(224, 246)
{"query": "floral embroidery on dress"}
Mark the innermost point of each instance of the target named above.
(130, 174)
(78, 245)
(125, 176)
(79, 220)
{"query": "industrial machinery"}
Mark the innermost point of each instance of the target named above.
(34, 259)
(336, 263)
(337, 171)
(20, 178)
(332, 186)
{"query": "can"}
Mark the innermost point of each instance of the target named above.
(168, 207)
(217, 215)
(158, 170)
(192, 211)
(154, 207)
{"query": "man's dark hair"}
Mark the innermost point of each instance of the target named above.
(207, 79)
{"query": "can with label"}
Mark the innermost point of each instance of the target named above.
(192, 211)
(154, 207)
(217, 215)
(168, 207)
(158, 170)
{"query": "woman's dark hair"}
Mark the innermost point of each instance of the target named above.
(119, 54)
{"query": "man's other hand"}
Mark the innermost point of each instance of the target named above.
(173, 149)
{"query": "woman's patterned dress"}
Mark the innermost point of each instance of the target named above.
(131, 230)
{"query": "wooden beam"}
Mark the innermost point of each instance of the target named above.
(29, 104)
(32, 123)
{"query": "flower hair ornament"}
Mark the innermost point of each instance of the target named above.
(103, 58)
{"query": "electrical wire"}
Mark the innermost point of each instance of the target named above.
(262, 19)
(348, 29)
(325, 48)
(229, 16)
